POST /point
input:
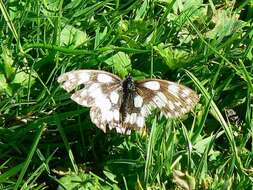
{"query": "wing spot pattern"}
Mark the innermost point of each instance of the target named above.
(171, 105)
(157, 100)
(133, 118)
(116, 115)
(152, 85)
(185, 93)
(140, 121)
(174, 89)
(114, 96)
(138, 100)
(104, 78)
(83, 77)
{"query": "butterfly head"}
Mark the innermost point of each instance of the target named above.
(128, 84)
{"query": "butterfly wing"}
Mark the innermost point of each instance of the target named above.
(101, 92)
(173, 99)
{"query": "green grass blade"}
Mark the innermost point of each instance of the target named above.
(216, 113)
(30, 155)
(150, 146)
(66, 143)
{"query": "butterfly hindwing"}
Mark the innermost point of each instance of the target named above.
(105, 110)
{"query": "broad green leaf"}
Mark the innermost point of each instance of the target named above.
(83, 181)
(52, 5)
(173, 58)
(110, 175)
(99, 36)
(71, 36)
(225, 24)
(120, 62)
(4, 86)
(74, 181)
(21, 79)
(6, 64)
(201, 144)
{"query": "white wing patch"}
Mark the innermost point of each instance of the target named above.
(140, 121)
(71, 80)
(104, 78)
(114, 96)
(138, 101)
(116, 115)
(152, 85)
(186, 92)
(173, 88)
(135, 119)
(159, 102)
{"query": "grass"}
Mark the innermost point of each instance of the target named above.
(47, 141)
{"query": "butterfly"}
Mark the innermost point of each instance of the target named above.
(124, 104)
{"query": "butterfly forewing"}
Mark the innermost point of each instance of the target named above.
(72, 79)
(173, 99)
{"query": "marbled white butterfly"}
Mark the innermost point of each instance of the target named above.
(124, 104)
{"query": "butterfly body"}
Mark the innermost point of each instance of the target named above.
(128, 93)
(124, 104)
(128, 85)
